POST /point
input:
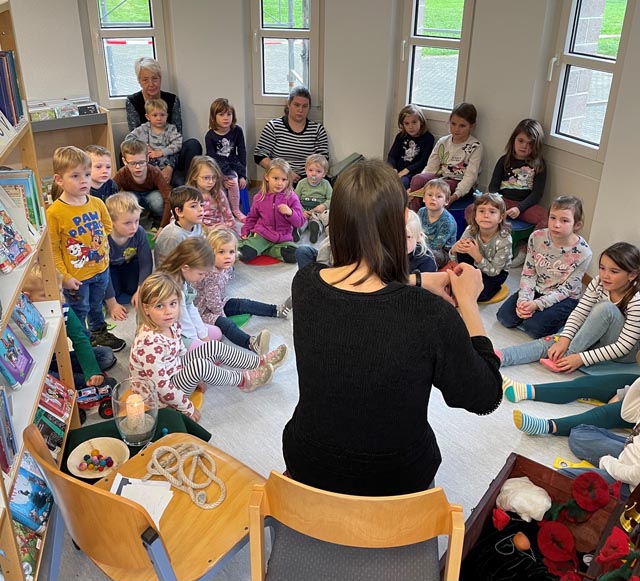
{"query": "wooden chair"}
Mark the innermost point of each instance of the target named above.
(119, 536)
(354, 521)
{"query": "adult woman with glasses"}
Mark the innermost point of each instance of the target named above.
(149, 76)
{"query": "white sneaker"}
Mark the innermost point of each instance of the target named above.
(260, 343)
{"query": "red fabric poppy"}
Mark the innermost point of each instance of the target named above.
(558, 568)
(615, 491)
(556, 542)
(590, 491)
(615, 548)
(571, 576)
(500, 518)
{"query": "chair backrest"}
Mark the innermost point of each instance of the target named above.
(105, 526)
(357, 521)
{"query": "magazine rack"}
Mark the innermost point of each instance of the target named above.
(17, 150)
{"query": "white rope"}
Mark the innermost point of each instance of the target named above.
(169, 462)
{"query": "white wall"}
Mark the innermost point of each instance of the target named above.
(50, 45)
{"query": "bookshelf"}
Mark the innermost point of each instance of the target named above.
(20, 152)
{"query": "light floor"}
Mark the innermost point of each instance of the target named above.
(249, 426)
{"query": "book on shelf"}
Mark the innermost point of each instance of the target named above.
(14, 248)
(56, 398)
(15, 361)
(8, 442)
(10, 97)
(21, 187)
(7, 131)
(51, 428)
(29, 543)
(29, 319)
(31, 500)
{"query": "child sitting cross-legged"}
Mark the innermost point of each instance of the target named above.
(215, 307)
(130, 260)
(437, 222)
(102, 186)
(551, 281)
(187, 210)
(163, 139)
(159, 354)
(315, 196)
(420, 256)
(144, 181)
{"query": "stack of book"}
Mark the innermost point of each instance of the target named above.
(10, 99)
(61, 108)
(53, 412)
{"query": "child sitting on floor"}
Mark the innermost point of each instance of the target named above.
(159, 354)
(437, 222)
(486, 243)
(275, 212)
(102, 186)
(205, 175)
(420, 257)
(551, 281)
(315, 196)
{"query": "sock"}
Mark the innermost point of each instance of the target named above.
(515, 390)
(530, 424)
(498, 354)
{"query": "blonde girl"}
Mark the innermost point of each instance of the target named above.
(215, 307)
(188, 263)
(421, 258)
(206, 177)
(412, 146)
(159, 354)
(486, 243)
(275, 212)
(224, 142)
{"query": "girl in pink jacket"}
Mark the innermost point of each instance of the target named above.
(275, 212)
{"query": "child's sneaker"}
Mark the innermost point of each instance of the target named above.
(103, 337)
(255, 378)
(314, 232)
(260, 343)
(276, 357)
(296, 234)
(284, 310)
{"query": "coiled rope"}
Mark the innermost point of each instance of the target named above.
(169, 462)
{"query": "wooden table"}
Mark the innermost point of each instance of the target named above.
(216, 534)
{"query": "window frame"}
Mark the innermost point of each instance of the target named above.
(312, 35)
(156, 31)
(558, 66)
(409, 40)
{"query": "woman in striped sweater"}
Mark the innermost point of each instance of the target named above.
(292, 137)
(605, 326)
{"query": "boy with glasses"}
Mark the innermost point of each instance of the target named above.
(144, 181)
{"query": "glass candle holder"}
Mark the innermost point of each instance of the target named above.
(135, 410)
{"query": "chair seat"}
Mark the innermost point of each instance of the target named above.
(324, 561)
(499, 296)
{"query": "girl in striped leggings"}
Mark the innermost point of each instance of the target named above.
(159, 354)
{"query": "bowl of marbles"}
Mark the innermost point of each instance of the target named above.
(97, 457)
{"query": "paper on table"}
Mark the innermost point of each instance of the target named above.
(153, 495)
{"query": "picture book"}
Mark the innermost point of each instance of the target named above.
(30, 500)
(51, 428)
(56, 398)
(27, 462)
(15, 361)
(14, 249)
(20, 185)
(28, 548)
(29, 319)
(7, 432)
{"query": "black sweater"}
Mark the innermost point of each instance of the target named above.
(366, 363)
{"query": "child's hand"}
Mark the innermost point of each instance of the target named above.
(285, 210)
(295, 178)
(117, 311)
(320, 208)
(196, 415)
(204, 339)
(403, 172)
(155, 153)
(95, 380)
(167, 172)
(525, 309)
(71, 284)
(228, 183)
(558, 349)
(242, 183)
(569, 363)
(306, 214)
(513, 213)
(134, 300)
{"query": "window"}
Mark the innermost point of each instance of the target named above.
(435, 50)
(123, 31)
(584, 73)
(285, 47)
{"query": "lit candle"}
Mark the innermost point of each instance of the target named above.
(135, 413)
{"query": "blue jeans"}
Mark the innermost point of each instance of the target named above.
(592, 443)
(542, 323)
(190, 148)
(240, 307)
(601, 327)
(152, 201)
(305, 255)
(86, 302)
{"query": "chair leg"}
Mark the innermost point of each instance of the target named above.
(53, 546)
(158, 555)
